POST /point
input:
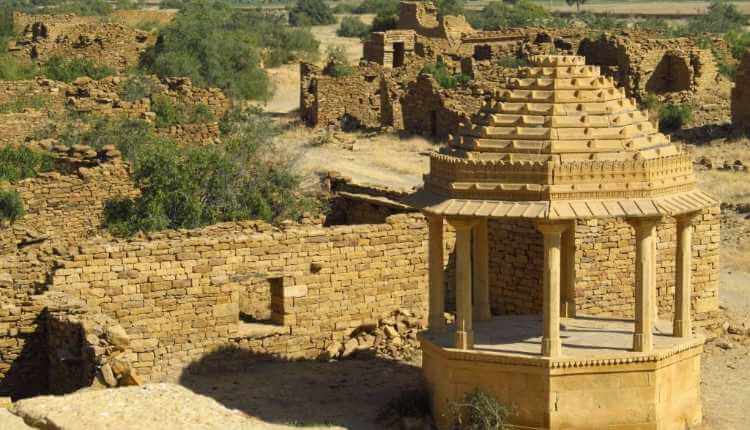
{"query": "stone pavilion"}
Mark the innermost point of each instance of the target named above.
(560, 145)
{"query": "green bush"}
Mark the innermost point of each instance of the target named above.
(7, 28)
(444, 77)
(344, 8)
(498, 15)
(673, 117)
(18, 163)
(170, 112)
(244, 177)
(600, 21)
(336, 64)
(512, 62)
(128, 135)
(136, 87)
(22, 102)
(386, 13)
(353, 27)
(650, 102)
(68, 70)
(171, 4)
(13, 69)
(449, 7)
(377, 6)
(738, 42)
(216, 45)
(311, 12)
(11, 205)
(85, 7)
(720, 17)
(479, 411)
(384, 22)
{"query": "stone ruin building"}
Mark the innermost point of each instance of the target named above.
(388, 90)
(106, 43)
(103, 98)
(567, 203)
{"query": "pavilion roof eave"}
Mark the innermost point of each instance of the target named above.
(671, 205)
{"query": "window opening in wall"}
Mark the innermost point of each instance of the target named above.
(398, 54)
(261, 308)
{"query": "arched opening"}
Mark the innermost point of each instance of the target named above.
(672, 74)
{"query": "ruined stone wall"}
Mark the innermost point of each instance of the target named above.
(176, 298)
(61, 209)
(642, 64)
(106, 43)
(326, 100)
(433, 111)
(65, 206)
(103, 97)
(741, 94)
(605, 268)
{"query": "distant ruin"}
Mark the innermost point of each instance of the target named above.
(388, 91)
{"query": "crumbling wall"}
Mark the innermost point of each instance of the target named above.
(68, 206)
(174, 294)
(327, 100)
(106, 43)
(433, 111)
(605, 262)
(642, 64)
(741, 94)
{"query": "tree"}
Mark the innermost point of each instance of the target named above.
(449, 7)
(311, 12)
(720, 17)
(578, 3)
(208, 44)
(497, 15)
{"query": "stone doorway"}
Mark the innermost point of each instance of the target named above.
(399, 53)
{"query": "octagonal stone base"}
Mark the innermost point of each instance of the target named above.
(594, 386)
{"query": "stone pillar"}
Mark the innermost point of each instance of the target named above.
(568, 273)
(435, 257)
(552, 232)
(655, 290)
(683, 287)
(480, 263)
(645, 259)
(464, 330)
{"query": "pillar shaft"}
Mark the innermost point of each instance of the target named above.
(481, 272)
(551, 345)
(683, 284)
(464, 326)
(645, 259)
(436, 319)
(567, 273)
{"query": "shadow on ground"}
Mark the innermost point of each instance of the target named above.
(347, 393)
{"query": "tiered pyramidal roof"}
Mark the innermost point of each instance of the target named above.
(562, 141)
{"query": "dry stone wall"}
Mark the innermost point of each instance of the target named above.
(177, 299)
(741, 94)
(106, 43)
(605, 262)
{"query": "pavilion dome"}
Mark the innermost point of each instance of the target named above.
(561, 141)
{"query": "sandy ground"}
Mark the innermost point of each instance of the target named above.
(286, 78)
(346, 394)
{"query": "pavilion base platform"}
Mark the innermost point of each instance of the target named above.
(597, 383)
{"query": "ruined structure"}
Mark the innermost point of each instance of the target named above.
(109, 44)
(563, 167)
(174, 298)
(104, 98)
(641, 64)
(741, 94)
(388, 90)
